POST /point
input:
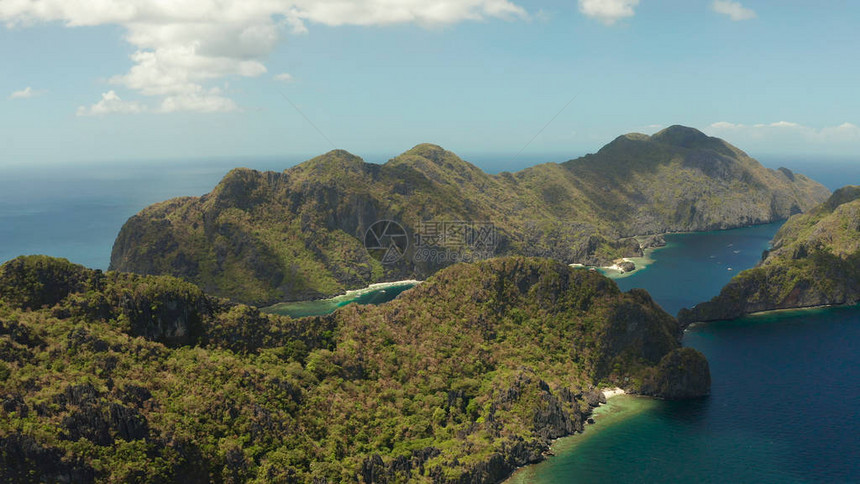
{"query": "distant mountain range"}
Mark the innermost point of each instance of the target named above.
(264, 237)
(815, 260)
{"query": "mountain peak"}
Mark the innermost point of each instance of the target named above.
(330, 163)
(337, 156)
(691, 138)
(430, 151)
(635, 137)
(842, 196)
(681, 136)
(436, 155)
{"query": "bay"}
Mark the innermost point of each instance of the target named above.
(784, 397)
(693, 267)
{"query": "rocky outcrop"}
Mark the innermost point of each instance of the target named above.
(653, 241)
(625, 266)
(683, 373)
(552, 420)
(815, 261)
(262, 238)
(34, 282)
(400, 469)
(498, 466)
(23, 459)
(90, 416)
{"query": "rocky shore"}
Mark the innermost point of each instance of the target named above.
(551, 424)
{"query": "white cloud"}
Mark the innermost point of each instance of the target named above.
(111, 103)
(202, 102)
(284, 77)
(723, 125)
(783, 124)
(608, 11)
(427, 12)
(786, 132)
(845, 131)
(184, 45)
(734, 10)
(26, 93)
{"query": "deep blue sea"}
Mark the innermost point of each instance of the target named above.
(785, 397)
(786, 386)
(76, 210)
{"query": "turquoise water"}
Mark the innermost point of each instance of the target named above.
(375, 294)
(784, 400)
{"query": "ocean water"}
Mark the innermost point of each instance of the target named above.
(693, 267)
(76, 211)
(784, 399)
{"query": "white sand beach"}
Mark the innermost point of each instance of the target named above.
(353, 293)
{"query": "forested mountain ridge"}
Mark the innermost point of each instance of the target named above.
(267, 237)
(116, 377)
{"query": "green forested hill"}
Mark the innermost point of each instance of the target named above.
(815, 260)
(267, 237)
(115, 377)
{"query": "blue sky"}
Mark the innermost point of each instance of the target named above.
(142, 79)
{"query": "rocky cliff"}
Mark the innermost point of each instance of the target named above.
(115, 377)
(268, 237)
(815, 260)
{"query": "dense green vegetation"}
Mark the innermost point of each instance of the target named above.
(815, 260)
(116, 377)
(263, 238)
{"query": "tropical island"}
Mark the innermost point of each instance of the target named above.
(164, 369)
(264, 237)
(430, 241)
(814, 261)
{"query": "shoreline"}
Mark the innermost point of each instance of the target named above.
(613, 392)
(767, 312)
(646, 260)
(715, 230)
(373, 287)
(349, 294)
(615, 272)
(619, 406)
